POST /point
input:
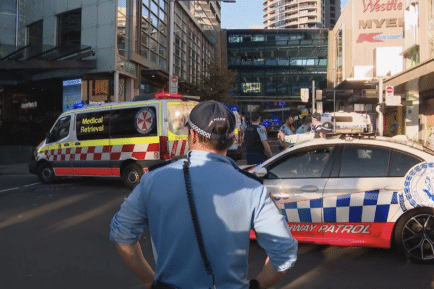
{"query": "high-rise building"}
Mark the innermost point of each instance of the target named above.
(301, 13)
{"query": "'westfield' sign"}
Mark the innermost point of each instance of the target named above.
(376, 6)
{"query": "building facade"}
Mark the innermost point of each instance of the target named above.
(365, 46)
(101, 50)
(415, 85)
(301, 13)
(273, 65)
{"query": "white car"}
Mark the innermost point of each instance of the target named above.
(372, 192)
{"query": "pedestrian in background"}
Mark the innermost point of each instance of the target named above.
(200, 213)
(256, 142)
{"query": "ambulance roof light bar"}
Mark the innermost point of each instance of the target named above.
(166, 95)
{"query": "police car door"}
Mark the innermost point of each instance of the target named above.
(361, 194)
(57, 148)
(296, 183)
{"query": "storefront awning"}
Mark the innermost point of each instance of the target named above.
(423, 73)
(22, 63)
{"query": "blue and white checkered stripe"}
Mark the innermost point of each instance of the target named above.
(370, 206)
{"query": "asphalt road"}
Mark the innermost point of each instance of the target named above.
(56, 236)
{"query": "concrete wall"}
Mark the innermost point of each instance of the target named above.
(15, 154)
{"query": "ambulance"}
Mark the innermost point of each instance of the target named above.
(115, 139)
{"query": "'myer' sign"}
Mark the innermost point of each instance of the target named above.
(378, 19)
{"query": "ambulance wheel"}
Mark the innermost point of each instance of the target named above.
(414, 235)
(131, 175)
(46, 174)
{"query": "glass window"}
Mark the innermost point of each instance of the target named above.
(69, 28)
(133, 122)
(60, 130)
(305, 164)
(93, 125)
(178, 116)
(364, 161)
(401, 163)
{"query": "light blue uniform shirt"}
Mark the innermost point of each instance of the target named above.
(302, 129)
(228, 205)
(286, 130)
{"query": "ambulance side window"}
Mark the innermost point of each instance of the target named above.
(60, 129)
(133, 122)
(93, 125)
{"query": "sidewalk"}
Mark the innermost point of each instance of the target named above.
(15, 169)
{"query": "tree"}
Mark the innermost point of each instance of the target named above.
(216, 83)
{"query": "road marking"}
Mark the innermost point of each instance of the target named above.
(11, 189)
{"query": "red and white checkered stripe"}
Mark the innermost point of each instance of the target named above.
(177, 148)
(105, 153)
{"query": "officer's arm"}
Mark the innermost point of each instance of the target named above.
(269, 276)
(267, 148)
(134, 259)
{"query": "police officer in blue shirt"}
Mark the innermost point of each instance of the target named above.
(256, 142)
(228, 204)
(306, 126)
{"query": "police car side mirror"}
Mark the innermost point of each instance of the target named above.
(261, 172)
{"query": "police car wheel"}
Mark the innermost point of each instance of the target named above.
(46, 173)
(131, 175)
(414, 235)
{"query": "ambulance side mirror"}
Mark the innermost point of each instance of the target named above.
(47, 137)
(261, 172)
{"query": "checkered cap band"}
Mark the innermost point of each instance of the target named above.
(199, 130)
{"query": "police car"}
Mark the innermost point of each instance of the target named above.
(115, 139)
(373, 192)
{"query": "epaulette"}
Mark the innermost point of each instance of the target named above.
(252, 176)
(161, 164)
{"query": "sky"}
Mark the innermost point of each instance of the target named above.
(245, 13)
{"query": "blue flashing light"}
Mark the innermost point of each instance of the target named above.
(276, 120)
(78, 105)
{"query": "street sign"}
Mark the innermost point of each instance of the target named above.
(318, 94)
(304, 94)
(394, 100)
(389, 91)
(173, 85)
(319, 107)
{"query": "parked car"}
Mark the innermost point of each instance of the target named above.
(356, 192)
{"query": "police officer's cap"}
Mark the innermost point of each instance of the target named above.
(326, 128)
(207, 115)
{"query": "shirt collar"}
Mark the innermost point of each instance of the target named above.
(202, 157)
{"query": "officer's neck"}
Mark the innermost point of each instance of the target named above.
(199, 146)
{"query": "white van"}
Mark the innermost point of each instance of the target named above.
(115, 139)
(349, 122)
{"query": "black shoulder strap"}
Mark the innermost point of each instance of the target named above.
(195, 219)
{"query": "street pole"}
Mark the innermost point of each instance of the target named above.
(380, 113)
(334, 109)
(171, 39)
(313, 96)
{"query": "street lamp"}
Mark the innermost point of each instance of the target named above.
(172, 28)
